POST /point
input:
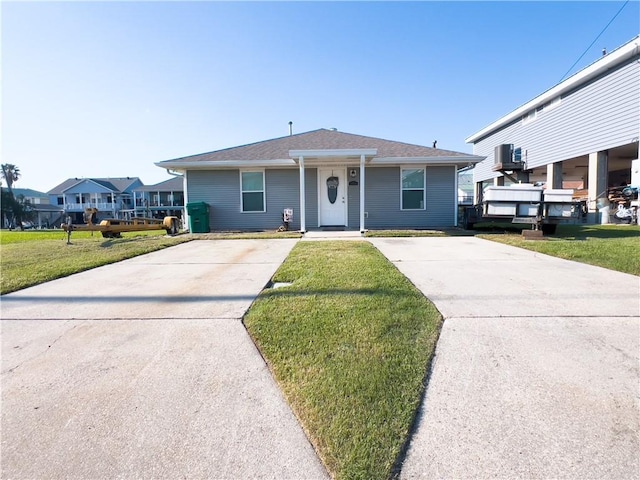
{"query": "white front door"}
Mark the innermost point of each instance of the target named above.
(332, 190)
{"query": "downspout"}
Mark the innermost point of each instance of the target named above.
(184, 188)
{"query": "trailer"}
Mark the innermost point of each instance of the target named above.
(114, 227)
(525, 204)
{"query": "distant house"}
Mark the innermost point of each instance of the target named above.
(465, 188)
(45, 214)
(582, 133)
(159, 200)
(113, 197)
(327, 179)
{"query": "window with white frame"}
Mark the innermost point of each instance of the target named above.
(413, 187)
(252, 188)
(529, 117)
(552, 104)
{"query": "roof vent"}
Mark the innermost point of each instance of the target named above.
(290, 128)
(333, 129)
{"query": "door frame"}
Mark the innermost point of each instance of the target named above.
(322, 190)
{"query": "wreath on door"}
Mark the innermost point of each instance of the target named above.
(332, 188)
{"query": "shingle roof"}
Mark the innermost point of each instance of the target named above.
(175, 184)
(322, 139)
(28, 192)
(118, 184)
(58, 189)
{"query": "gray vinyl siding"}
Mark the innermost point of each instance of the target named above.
(353, 199)
(382, 199)
(597, 116)
(221, 190)
(311, 197)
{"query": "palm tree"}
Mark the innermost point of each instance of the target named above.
(11, 174)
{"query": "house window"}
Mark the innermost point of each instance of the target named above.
(252, 188)
(412, 189)
(60, 200)
(529, 117)
(552, 104)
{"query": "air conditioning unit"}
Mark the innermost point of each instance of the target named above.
(503, 153)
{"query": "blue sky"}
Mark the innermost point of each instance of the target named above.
(105, 89)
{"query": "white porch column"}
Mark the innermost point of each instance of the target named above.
(554, 175)
(185, 200)
(598, 179)
(456, 199)
(361, 193)
(303, 209)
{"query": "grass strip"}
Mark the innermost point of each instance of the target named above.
(349, 342)
(610, 246)
(30, 258)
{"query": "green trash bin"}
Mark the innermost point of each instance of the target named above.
(198, 217)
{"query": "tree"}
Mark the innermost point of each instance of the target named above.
(10, 174)
(13, 208)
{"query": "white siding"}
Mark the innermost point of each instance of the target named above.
(602, 114)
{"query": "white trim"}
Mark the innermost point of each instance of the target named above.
(362, 171)
(233, 164)
(185, 196)
(345, 188)
(264, 190)
(424, 188)
(469, 159)
(303, 202)
(207, 165)
(322, 153)
(600, 66)
(456, 200)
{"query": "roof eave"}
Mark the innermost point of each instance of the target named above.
(206, 165)
(441, 160)
(605, 63)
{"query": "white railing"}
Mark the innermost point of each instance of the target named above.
(100, 206)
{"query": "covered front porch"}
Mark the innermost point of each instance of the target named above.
(337, 170)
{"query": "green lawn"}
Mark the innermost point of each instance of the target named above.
(616, 247)
(33, 257)
(349, 342)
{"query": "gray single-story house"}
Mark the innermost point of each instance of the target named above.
(329, 179)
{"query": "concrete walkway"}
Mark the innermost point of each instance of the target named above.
(536, 373)
(143, 369)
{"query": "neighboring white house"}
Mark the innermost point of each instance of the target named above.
(581, 134)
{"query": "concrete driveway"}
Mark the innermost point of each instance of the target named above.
(143, 369)
(536, 373)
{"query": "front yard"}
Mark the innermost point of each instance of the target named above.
(349, 341)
